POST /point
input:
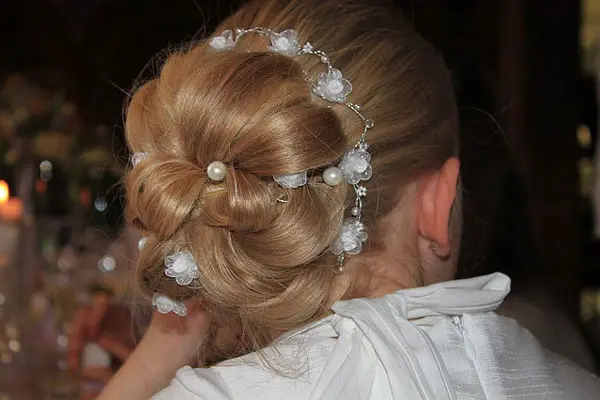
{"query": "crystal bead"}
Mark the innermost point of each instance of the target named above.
(308, 48)
(355, 211)
(369, 123)
(338, 269)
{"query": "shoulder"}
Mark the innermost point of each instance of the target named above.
(288, 369)
(510, 357)
(196, 384)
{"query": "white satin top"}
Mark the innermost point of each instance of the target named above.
(439, 342)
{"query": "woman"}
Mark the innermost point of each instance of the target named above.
(99, 341)
(298, 175)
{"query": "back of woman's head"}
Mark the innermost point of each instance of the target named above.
(262, 249)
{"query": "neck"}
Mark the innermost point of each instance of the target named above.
(376, 277)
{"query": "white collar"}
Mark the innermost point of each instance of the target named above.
(480, 294)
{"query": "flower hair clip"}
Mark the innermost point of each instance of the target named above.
(333, 87)
(292, 181)
(182, 267)
(165, 305)
(136, 158)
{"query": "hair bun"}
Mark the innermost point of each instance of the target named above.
(242, 203)
(166, 192)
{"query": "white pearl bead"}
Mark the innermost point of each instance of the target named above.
(216, 171)
(142, 242)
(333, 176)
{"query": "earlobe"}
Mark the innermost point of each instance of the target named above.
(437, 195)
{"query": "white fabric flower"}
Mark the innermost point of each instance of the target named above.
(351, 238)
(285, 43)
(136, 158)
(165, 305)
(223, 42)
(182, 267)
(332, 86)
(292, 181)
(356, 166)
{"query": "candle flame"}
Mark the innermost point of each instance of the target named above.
(4, 192)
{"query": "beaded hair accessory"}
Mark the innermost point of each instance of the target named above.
(354, 167)
(332, 87)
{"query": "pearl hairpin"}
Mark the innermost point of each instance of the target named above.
(333, 176)
(216, 171)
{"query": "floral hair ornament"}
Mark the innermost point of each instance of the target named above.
(136, 158)
(165, 305)
(332, 87)
(182, 267)
(292, 181)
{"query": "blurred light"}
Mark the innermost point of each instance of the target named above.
(11, 210)
(589, 305)
(107, 263)
(62, 365)
(85, 196)
(584, 136)
(4, 192)
(39, 303)
(67, 258)
(46, 174)
(14, 346)
(2, 299)
(100, 204)
(62, 341)
(587, 179)
(45, 166)
(40, 186)
(6, 358)
(11, 331)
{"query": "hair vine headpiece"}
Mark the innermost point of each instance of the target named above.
(354, 167)
(330, 86)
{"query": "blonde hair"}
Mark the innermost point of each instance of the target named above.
(262, 249)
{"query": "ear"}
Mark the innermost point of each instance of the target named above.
(436, 196)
